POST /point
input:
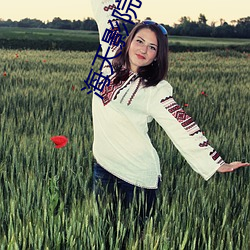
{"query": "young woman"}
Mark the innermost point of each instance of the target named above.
(136, 95)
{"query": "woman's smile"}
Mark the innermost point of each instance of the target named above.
(143, 49)
(140, 56)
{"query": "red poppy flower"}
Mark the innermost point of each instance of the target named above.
(203, 93)
(4, 73)
(73, 87)
(44, 61)
(60, 141)
(16, 55)
(186, 105)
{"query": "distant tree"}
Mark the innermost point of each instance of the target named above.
(224, 30)
(187, 27)
(202, 20)
(31, 23)
(89, 24)
(233, 22)
(213, 24)
(58, 23)
(244, 20)
(168, 28)
(12, 23)
(3, 23)
(204, 29)
(76, 25)
(243, 27)
(184, 20)
(222, 21)
(66, 24)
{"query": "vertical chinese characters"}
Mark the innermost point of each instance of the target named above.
(127, 8)
(115, 39)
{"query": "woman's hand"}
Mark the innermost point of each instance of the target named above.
(230, 167)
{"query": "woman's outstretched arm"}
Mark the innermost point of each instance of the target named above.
(230, 167)
(187, 136)
(102, 10)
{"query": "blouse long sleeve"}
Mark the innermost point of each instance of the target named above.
(184, 132)
(102, 10)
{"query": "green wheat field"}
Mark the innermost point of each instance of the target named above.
(46, 199)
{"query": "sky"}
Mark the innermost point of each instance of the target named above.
(162, 11)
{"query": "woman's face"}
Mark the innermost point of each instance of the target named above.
(143, 49)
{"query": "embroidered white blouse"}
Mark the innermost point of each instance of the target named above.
(120, 121)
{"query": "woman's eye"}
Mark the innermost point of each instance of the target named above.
(139, 41)
(152, 47)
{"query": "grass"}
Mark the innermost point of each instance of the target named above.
(210, 41)
(46, 200)
(79, 35)
(47, 34)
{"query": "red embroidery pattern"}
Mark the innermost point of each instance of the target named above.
(188, 123)
(181, 116)
(204, 144)
(110, 7)
(134, 93)
(216, 157)
(111, 92)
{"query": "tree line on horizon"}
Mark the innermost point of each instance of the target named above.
(186, 27)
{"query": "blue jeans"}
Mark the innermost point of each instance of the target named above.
(103, 181)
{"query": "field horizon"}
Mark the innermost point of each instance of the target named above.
(34, 38)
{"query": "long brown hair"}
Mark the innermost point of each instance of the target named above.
(151, 74)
